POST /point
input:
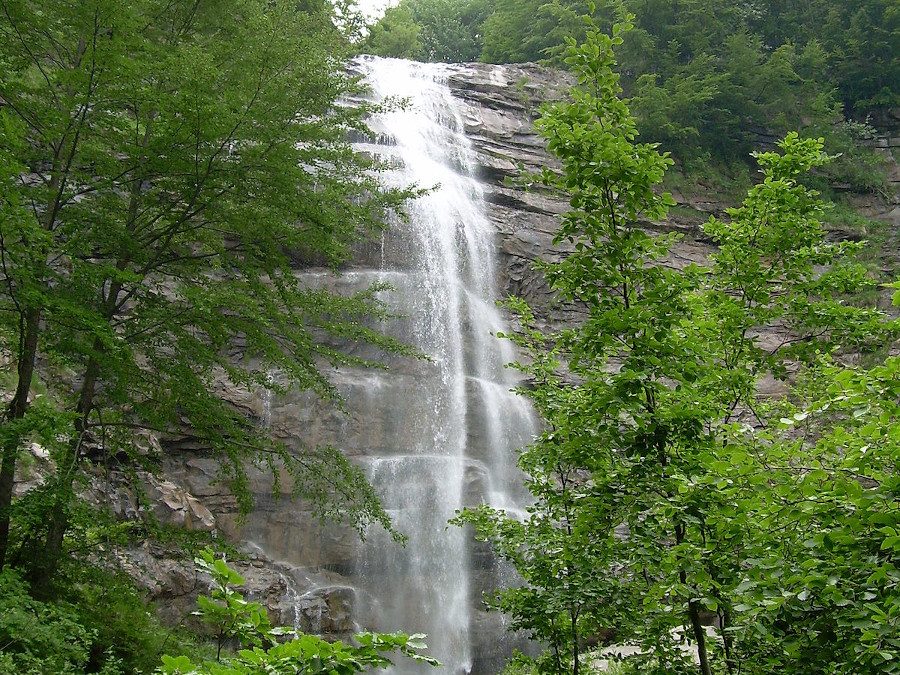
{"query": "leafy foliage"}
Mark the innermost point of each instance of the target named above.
(822, 595)
(174, 167)
(666, 492)
(226, 609)
(430, 30)
(263, 652)
(100, 624)
(38, 638)
(397, 34)
(705, 77)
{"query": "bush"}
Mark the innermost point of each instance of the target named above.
(37, 637)
(264, 649)
(123, 625)
(99, 624)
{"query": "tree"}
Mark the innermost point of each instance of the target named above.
(567, 597)
(635, 309)
(705, 77)
(19, 255)
(639, 488)
(264, 650)
(510, 35)
(39, 638)
(430, 30)
(451, 29)
(396, 34)
(774, 267)
(821, 595)
(859, 39)
(179, 162)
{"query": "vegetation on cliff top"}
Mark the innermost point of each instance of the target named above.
(703, 77)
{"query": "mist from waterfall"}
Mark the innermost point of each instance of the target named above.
(454, 426)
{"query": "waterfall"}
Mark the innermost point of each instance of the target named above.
(449, 426)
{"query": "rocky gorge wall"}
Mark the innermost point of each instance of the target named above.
(299, 569)
(309, 575)
(501, 104)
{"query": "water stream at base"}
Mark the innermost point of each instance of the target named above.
(458, 424)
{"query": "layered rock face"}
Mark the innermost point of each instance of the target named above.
(433, 435)
(321, 578)
(500, 104)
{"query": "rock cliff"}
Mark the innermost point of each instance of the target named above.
(501, 103)
(297, 567)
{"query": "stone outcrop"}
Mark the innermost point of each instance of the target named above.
(501, 104)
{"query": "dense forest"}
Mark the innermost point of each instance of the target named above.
(701, 77)
(166, 166)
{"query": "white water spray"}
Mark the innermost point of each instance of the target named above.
(453, 424)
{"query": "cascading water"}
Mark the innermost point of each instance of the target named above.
(450, 425)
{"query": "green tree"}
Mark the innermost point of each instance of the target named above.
(575, 467)
(396, 34)
(706, 76)
(518, 32)
(451, 29)
(100, 623)
(821, 595)
(38, 638)
(714, 83)
(179, 163)
(645, 501)
(860, 39)
(430, 30)
(567, 598)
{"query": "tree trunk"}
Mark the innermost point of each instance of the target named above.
(575, 655)
(63, 154)
(694, 612)
(45, 568)
(699, 636)
(728, 640)
(16, 410)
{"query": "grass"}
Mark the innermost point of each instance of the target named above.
(844, 217)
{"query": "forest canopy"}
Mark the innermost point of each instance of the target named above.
(701, 75)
